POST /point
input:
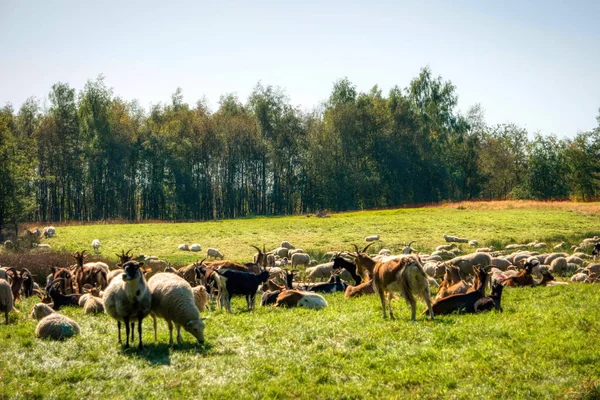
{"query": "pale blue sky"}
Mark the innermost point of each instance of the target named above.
(534, 63)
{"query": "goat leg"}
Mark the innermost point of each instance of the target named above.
(382, 298)
(390, 296)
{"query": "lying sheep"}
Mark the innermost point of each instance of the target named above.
(281, 252)
(446, 247)
(173, 300)
(6, 299)
(473, 243)
(184, 247)
(195, 247)
(53, 325)
(581, 277)
(372, 238)
(93, 305)
(212, 253)
(559, 246)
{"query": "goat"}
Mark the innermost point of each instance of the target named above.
(596, 250)
(523, 278)
(404, 275)
(59, 299)
(16, 283)
(465, 301)
(452, 283)
(359, 290)
(28, 283)
(340, 262)
(260, 258)
(242, 283)
(492, 301)
(334, 284)
(92, 274)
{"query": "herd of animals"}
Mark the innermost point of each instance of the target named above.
(135, 288)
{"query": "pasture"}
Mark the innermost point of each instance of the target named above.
(542, 346)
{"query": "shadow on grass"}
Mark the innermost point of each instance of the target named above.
(160, 353)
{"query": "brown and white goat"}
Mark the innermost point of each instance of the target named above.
(403, 275)
(88, 274)
(523, 278)
(452, 283)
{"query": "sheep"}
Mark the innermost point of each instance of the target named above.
(515, 246)
(574, 260)
(434, 269)
(485, 249)
(473, 243)
(466, 263)
(96, 245)
(581, 277)
(49, 231)
(456, 239)
(173, 300)
(297, 298)
(403, 275)
(214, 253)
(195, 247)
(183, 247)
(372, 238)
(300, 259)
(42, 246)
(294, 251)
(91, 291)
(501, 263)
(559, 246)
(443, 254)
(384, 252)
(6, 299)
(128, 297)
(446, 247)
(93, 305)
(200, 297)
(320, 271)
(287, 245)
(559, 265)
(551, 257)
(281, 252)
(53, 325)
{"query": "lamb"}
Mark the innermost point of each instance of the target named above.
(183, 247)
(403, 275)
(6, 299)
(173, 300)
(372, 238)
(127, 297)
(214, 253)
(195, 247)
(49, 231)
(300, 259)
(297, 298)
(96, 245)
(53, 325)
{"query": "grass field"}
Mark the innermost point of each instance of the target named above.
(544, 344)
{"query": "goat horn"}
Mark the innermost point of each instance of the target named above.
(260, 252)
(411, 243)
(366, 247)
(128, 251)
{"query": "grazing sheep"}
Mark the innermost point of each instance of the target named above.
(195, 247)
(183, 247)
(372, 238)
(403, 275)
(300, 259)
(281, 252)
(6, 299)
(173, 300)
(93, 305)
(287, 245)
(212, 253)
(297, 298)
(467, 262)
(200, 297)
(96, 245)
(53, 325)
(127, 298)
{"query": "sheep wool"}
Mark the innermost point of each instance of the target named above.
(53, 325)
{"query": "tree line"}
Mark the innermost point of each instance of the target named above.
(94, 156)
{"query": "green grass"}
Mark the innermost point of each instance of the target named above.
(544, 345)
(319, 235)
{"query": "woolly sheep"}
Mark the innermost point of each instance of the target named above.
(501, 263)
(580, 277)
(53, 325)
(300, 259)
(173, 300)
(485, 249)
(281, 252)
(558, 265)
(446, 247)
(6, 299)
(212, 253)
(127, 297)
(195, 247)
(95, 244)
(287, 245)
(296, 298)
(559, 246)
(554, 256)
(384, 252)
(574, 260)
(183, 247)
(467, 262)
(200, 297)
(49, 231)
(294, 251)
(372, 238)
(93, 305)
(321, 271)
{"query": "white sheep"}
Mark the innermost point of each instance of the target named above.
(294, 251)
(321, 271)
(300, 259)
(49, 231)
(372, 238)
(281, 252)
(6, 299)
(53, 325)
(287, 245)
(312, 301)
(93, 305)
(580, 277)
(127, 297)
(445, 247)
(559, 246)
(473, 243)
(195, 247)
(96, 244)
(212, 253)
(183, 247)
(200, 297)
(173, 300)
(43, 246)
(384, 252)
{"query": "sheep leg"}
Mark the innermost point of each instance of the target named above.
(6, 316)
(170, 323)
(132, 332)
(126, 321)
(119, 326)
(179, 338)
(382, 298)
(389, 301)
(154, 319)
(141, 345)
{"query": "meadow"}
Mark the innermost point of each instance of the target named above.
(542, 346)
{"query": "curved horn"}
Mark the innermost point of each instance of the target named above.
(259, 250)
(411, 243)
(366, 247)
(83, 252)
(128, 251)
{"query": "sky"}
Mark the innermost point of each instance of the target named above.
(533, 63)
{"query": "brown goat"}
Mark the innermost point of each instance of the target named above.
(403, 275)
(93, 274)
(66, 282)
(523, 278)
(16, 283)
(452, 283)
(463, 301)
(359, 290)
(124, 257)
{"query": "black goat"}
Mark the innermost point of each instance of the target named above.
(240, 283)
(27, 282)
(596, 251)
(270, 297)
(59, 299)
(492, 301)
(334, 284)
(463, 301)
(350, 266)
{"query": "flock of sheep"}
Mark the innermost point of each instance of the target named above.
(146, 286)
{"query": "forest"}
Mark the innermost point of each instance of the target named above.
(91, 155)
